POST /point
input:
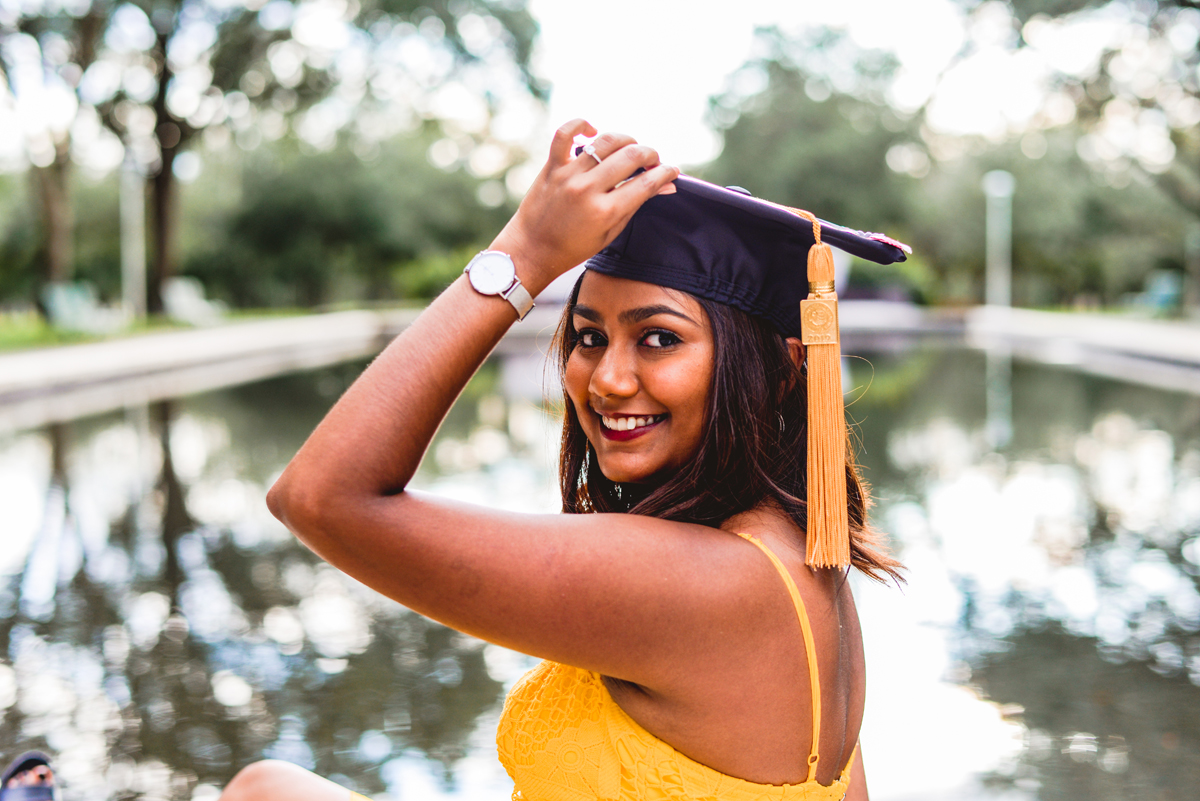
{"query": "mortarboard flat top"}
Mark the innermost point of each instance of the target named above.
(729, 247)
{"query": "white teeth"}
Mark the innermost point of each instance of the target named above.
(626, 423)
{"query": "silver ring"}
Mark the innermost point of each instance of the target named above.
(591, 151)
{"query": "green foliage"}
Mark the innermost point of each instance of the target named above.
(912, 280)
(1124, 85)
(28, 330)
(240, 86)
(1079, 233)
(97, 239)
(98, 235)
(428, 275)
(1076, 237)
(825, 155)
(19, 245)
(519, 28)
(314, 229)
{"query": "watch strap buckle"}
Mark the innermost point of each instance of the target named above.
(519, 297)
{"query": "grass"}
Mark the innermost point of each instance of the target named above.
(25, 330)
(20, 331)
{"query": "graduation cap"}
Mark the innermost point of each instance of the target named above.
(724, 245)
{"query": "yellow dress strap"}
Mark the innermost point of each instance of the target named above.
(810, 651)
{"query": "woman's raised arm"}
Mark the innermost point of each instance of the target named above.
(549, 585)
(370, 443)
(372, 440)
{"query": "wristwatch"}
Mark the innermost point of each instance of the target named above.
(493, 273)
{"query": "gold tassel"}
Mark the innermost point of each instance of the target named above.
(828, 524)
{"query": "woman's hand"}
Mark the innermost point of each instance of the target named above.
(370, 443)
(575, 588)
(577, 206)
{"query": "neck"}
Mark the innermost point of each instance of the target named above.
(768, 520)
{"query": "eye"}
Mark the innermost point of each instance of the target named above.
(589, 338)
(660, 339)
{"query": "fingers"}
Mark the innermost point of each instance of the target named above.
(602, 147)
(564, 139)
(641, 188)
(621, 165)
(609, 143)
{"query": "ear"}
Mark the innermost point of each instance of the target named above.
(796, 351)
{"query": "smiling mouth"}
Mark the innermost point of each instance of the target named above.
(630, 423)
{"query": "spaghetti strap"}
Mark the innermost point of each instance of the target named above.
(809, 651)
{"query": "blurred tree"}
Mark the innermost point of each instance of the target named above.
(1129, 70)
(97, 234)
(43, 55)
(160, 75)
(1077, 238)
(18, 239)
(1139, 99)
(807, 124)
(313, 229)
(791, 135)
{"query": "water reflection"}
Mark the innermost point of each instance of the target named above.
(1061, 569)
(158, 629)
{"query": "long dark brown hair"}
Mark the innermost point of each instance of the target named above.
(753, 449)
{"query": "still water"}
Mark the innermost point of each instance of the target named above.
(158, 629)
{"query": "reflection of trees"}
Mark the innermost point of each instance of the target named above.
(175, 518)
(1097, 639)
(19, 616)
(189, 684)
(421, 684)
(1100, 729)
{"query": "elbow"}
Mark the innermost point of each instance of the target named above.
(277, 502)
(316, 506)
(295, 503)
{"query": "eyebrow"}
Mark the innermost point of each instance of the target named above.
(632, 315)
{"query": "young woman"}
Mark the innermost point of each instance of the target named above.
(705, 659)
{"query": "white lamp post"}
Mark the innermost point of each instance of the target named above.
(133, 238)
(998, 186)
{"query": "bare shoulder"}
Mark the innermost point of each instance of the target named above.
(747, 709)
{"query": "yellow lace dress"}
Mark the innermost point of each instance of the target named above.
(563, 738)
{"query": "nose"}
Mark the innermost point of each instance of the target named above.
(615, 375)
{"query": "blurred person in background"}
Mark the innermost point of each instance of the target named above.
(29, 777)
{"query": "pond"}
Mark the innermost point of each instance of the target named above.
(158, 629)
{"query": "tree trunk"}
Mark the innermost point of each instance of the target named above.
(176, 520)
(53, 186)
(162, 230)
(162, 186)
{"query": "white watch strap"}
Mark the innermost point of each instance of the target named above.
(519, 297)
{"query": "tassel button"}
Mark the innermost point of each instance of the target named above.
(819, 322)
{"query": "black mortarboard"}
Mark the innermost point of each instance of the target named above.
(773, 262)
(726, 246)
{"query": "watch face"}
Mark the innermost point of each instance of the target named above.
(491, 273)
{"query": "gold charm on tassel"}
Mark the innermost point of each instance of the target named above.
(828, 523)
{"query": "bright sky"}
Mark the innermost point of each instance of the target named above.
(648, 68)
